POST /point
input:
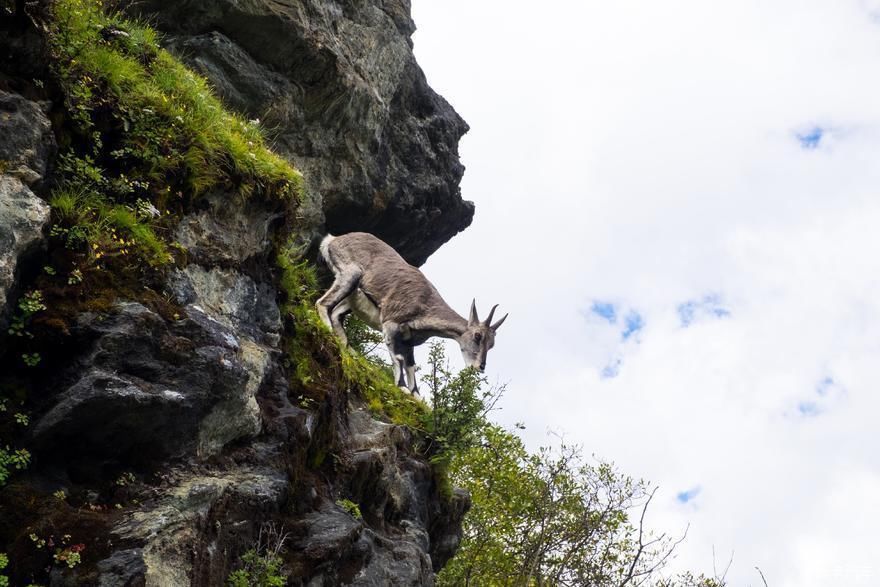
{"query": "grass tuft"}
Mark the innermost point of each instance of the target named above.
(170, 111)
(144, 137)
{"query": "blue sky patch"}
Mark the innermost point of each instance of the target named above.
(633, 323)
(810, 139)
(687, 496)
(826, 395)
(809, 409)
(825, 386)
(709, 306)
(611, 370)
(605, 310)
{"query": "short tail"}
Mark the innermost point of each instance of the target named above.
(324, 248)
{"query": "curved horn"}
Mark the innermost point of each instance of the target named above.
(499, 323)
(491, 313)
(473, 319)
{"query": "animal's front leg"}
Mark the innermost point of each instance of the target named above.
(410, 362)
(391, 331)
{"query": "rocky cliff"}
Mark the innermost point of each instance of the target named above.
(167, 400)
(339, 86)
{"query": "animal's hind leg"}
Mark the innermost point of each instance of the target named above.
(345, 283)
(337, 316)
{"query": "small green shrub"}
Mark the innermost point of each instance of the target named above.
(30, 303)
(365, 340)
(69, 555)
(31, 359)
(12, 460)
(259, 571)
(262, 566)
(460, 403)
(351, 507)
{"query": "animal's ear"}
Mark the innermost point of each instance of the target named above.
(499, 323)
(473, 319)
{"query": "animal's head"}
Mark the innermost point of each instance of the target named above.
(478, 338)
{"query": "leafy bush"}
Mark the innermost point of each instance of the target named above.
(260, 570)
(459, 401)
(12, 459)
(545, 518)
(262, 566)
(549, 519)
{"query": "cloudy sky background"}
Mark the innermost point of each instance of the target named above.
(679, 204)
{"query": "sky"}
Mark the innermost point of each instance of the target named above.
(678, 202)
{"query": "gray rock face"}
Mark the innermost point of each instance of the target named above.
(338, 83)
(232, 298)
(22, 218)
(147, 390)
(184, 521)
(394, 490)
(227, 232)
(26, 143)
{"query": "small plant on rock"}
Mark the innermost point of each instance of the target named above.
(4, 562)
(351, 507)
(69, 555)
(29, 304)
(261, 565)
(12, 459)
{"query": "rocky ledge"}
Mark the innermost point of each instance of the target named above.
(350, 105)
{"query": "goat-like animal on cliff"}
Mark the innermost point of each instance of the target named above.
(392, 296)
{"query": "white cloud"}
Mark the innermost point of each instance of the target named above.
(649, 155)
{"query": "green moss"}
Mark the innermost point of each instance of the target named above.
(166, 111)
(377, 387)
(351, 507)
(143, 137)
